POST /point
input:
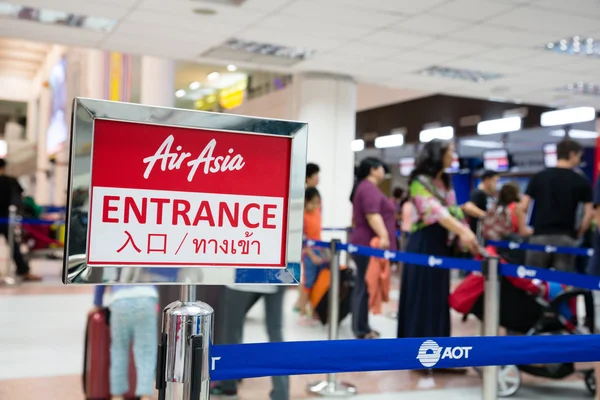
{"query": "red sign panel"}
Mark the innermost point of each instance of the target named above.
(175, 196)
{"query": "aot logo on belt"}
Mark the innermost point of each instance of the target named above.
(523, 272)
(430, 353)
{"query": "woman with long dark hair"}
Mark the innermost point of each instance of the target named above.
(439, 226)
(373, 215)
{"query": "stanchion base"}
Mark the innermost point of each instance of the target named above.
(8, 281)
(332, 389)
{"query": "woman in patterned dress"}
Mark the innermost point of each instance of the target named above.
(423, 308)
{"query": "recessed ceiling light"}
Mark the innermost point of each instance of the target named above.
(231, 68)
(213, 75)
(204, 11)
(463, 74)
(267, 49)
(180, 93)
(576, 45)
(195, 85)
(581, 88)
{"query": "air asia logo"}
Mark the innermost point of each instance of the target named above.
(434, 262)
(430, 353)
(550, 249)
(352, 249)
(388, 255)
(523, 272)
(173, 160)
(310, 243)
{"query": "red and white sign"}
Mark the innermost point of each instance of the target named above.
(177, 196)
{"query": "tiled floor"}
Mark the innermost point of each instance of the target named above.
(41, 344)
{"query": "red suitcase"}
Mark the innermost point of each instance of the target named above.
(96, 363)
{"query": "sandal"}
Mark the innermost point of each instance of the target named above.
(370, 335)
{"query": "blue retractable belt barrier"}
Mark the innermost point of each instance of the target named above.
(538, 247)
(410, 258)
(318, 357)
(53, 209)
(566, 278)
(30, 221)
(519, 271)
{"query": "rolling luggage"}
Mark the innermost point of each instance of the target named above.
(96, 364)
(319, 296)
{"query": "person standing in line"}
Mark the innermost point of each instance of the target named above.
(558, 192)
(133, 317)
(423, 309)
(312, 175)
(311, 181)
(238, 300)
(481, 199)
(11, 194)
(594, 270)
(373, 215)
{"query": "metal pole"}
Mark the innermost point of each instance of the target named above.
(331, 387)
(491, 320)
(183, 367)
(8, 279)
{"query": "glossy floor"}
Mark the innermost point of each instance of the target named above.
(41, 344)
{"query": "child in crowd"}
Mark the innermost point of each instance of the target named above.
(314, 259)
(133, 315)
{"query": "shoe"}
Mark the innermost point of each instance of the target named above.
(31, 278)
(217, 391)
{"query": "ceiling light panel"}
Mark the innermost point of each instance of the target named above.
(501, 125)
(442, 133)
(395, 140)
(568, 116)
(357, 145)
(577, 46)
(460, 74)
(55, 17)
(269, 49)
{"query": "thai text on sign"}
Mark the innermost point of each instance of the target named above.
(177, 196)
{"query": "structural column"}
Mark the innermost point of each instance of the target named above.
(328, 103)
(158, 82)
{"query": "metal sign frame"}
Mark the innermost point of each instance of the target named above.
(87, 111)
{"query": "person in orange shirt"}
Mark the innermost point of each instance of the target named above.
(314, 259)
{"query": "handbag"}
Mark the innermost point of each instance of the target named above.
(456, 249)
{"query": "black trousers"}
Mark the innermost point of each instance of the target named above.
(22, 265)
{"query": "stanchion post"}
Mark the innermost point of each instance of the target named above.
(491, 320)
(331, 387)
(8, 279)
(182, 371)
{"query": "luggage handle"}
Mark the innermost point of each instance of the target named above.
(196, 370)
(161, 366)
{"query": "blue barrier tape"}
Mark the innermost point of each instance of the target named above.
(333, 356)
(53, 209)
(538, 247)
(33, 221)
(398, 256)
(566, 278)
(519, 271)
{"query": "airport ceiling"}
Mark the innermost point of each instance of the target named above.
(511, 50)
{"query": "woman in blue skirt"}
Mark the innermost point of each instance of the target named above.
(438, 227)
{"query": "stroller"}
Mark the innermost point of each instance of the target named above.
(524, 312)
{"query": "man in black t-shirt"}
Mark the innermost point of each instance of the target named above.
(482, 198)
(11, 193)
(558, 192)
